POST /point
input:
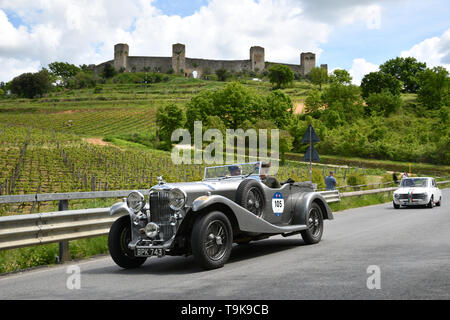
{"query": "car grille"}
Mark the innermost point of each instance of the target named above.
(415, 196)
(160, 213)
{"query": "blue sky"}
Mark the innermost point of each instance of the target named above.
(351, 34)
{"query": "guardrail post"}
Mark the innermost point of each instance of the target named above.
(64, 254)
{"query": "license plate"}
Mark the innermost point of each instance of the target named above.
(149, 252)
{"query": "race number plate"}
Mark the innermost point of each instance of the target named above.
(149, 252)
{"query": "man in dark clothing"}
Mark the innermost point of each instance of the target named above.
(330, 182)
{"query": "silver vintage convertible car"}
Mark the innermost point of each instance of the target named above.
(233, 204)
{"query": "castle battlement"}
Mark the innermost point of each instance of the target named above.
(181, 64)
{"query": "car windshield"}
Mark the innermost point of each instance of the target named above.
(232, 170)
(414, 182)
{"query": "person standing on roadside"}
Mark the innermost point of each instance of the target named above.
(330, 182)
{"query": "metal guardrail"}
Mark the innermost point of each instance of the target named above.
(61, 226)
(331, 196)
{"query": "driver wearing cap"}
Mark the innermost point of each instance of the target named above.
(235, 170)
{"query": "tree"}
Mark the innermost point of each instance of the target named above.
(384, 103)
(280, 75)
(30, 85)
(318, 76)
(63, 70)
(406, 70)
(375, 82)
(222, 74)
(340, 76)
(278, 108)
(434, 88)
(239, 106)
(108, 71)
(344, 100)
(168, 118)
(313, 101)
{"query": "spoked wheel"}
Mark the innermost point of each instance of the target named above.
(211, 240)
(118, 239)
(314, 221)
(251, 196)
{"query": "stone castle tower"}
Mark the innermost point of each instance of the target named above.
(179, 58)
(121, 52)
(307, 61)
(257, 58)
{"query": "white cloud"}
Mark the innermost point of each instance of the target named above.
(84, 32)
(11, 67)
(434, 51)
(360, 68)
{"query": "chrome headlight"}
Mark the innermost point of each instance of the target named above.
(177, 199)
(136, 201)
(396, 195)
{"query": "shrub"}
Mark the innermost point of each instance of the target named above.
(383, 103)
(82, 80)
(222, 74)
(318, 178)
(355, 179)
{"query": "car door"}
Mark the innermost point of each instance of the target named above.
(278, 205)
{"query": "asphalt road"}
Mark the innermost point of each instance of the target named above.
(409, 247)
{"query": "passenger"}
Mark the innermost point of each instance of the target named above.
(234, 170)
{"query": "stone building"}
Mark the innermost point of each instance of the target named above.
(180, 64)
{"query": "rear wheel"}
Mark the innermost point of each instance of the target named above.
(438, 204)
(211, 240)
(118, 239)
(314, 221)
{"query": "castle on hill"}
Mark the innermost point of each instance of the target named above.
(180, 64)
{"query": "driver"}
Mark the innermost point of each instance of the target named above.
(269, 181)
(234, 170)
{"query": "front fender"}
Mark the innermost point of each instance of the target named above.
(303, 203)
(120, 208)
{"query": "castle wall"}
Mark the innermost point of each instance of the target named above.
(150, 64)
(203, 66)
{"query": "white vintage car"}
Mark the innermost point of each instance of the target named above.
(420, 191)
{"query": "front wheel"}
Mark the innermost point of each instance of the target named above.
(211, 240)
(396, 206)
(118, 239)
(431, 203)
(314, 221)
